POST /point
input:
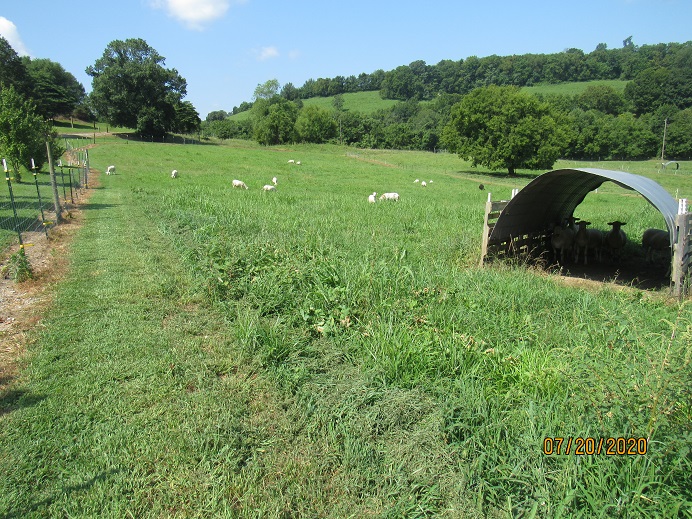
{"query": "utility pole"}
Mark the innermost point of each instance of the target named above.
(663, 148)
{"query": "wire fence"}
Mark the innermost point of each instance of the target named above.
(27, 208)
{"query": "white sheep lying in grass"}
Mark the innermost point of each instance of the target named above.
(655, 240)
(239, 183)
(416, 181)
(390, 196)
(587, 239)
(562, 240)
(372, 198)
(110, 170)
(269, 187)
(615, 239)
(174, 173)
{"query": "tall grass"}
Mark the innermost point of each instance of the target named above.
(322, 356)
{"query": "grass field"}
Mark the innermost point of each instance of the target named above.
(217, 352)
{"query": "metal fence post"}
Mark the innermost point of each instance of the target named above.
(14, 207)
(40, 202)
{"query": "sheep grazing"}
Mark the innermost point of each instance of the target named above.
(481, 187)
(297, 163)
(390, 196)
(423, 184)
(174, 173)
(655, 240)
(291, 161)
(274, 180)
(372, 198)
(239, 183)
(562, 240)
(615, 239)
(587, 239)
(269, 187)
(110, 170)
(416, 181)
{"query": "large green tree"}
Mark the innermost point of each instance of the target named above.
(54, 90)
(315, 124)
(502, 127)
(274, 120)
(12, 69)
(131, 88)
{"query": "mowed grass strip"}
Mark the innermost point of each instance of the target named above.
(121, 409)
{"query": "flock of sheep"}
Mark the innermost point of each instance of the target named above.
(394, 196)
(572, 237)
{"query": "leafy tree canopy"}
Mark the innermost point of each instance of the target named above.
(131, 88)
(12, 69)
(54, 90)
(501, 127)
(23, 132)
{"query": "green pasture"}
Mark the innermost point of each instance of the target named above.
(220, 352)
(574, 88)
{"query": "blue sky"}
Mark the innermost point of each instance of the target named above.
(225, 48)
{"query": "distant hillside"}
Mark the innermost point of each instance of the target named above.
(369, 102)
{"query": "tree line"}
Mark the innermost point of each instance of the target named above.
(599, 123)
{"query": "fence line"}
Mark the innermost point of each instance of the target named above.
(28, 208)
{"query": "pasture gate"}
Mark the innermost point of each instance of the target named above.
(524, 224)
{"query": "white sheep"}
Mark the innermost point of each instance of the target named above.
(615, 239)
(174, 173)
(274, 180)
(655, 240)
(297, 163)
(423, 184)
(587, 239)
(291, 161)
(239, 183)
(372, 198)
(390, 196)
(110, 170)
(269, 187)
(562, 240)
(416, 181)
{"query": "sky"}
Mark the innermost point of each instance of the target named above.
(226, 48)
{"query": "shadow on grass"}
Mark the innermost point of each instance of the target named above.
(168, 139)
(96, 206)
(15, 399)
(522, 175)
(67, 491)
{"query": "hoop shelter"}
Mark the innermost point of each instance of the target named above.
(553, 196)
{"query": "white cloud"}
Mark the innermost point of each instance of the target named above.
(266, 53)
(8, 30)
(195, 13)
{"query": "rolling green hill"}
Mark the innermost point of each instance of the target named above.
(369, 102)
